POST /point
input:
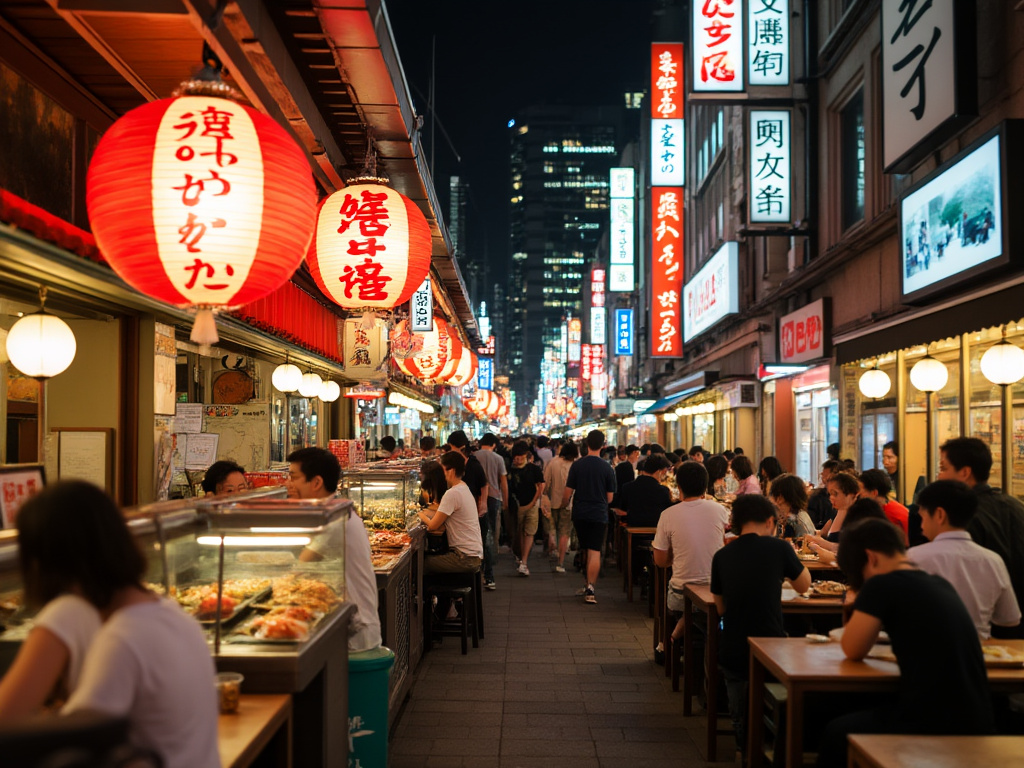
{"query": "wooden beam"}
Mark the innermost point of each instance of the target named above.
(133, 7)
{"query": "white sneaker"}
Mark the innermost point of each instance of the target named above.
(523, 570)
(559, 569)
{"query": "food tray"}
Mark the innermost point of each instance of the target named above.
(1001, 657)
(243, 632)
(809, 558)
(240, 609)
(816, 586)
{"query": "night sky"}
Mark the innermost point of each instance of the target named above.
(493, 59)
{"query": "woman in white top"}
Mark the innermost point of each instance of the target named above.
(148, 662)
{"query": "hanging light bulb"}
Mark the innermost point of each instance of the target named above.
(1003, 363)
(310, 386)
(330, 391)
(874, 383)
(286, 377)
(928, 374)
(41, 345)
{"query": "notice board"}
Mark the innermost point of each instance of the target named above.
(244, 432)
(86, 453)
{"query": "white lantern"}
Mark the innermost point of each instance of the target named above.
(874, 384)
(310, 386)
(928, 374)
(286, 377)
(330, 391)
(41, 345)
(1002, 363)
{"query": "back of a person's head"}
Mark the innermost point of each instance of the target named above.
(458, 439)
(832, 466)
(595, 440)
(792, 490)
(542, 441)
(645, 449)
(318, 461)
(455, 461)
(428, 443)
(863, 509)
(388, 443)
(857, 540)
(631, 449)
(770, 468)
(73, 537)
(569, 451)
(717, 467)
(969, 452)
(488, 440)
(742, 467)
(729, 455)
(833, 451)
(956, 498)
(876, 480)
(695, 450)
(737, 451)
(846, 483)
(608, 452)
(655, 463)
(218, 473)
(848, 465)
(750, 508)
(691, 477)
(657, 448)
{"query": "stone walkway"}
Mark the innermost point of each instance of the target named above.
(555, 682)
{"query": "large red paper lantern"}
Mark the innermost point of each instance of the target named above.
(465, 370)
(440, 346)
(371, 249)
(200, 201)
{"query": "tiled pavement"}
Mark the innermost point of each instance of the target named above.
(556, 682)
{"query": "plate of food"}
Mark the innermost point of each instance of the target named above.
(807, 556)
(827, 589)
(837, 635)
(999, 656)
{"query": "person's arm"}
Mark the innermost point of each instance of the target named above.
(1006, 612)
(567, 495)
(826, 527)
(802, 582)
(41, 660)
(720, 604)
(504, 492)
(662, 557)
(860, 635)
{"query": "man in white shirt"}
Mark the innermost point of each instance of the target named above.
(977, 574)
(457, 514)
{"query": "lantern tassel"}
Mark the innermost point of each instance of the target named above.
(204, 329)
(369, 320)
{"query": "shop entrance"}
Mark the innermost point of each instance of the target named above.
(876, 429)
(817, 425)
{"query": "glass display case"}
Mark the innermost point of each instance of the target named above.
(386, 498)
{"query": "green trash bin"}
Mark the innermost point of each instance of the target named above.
(368, 674)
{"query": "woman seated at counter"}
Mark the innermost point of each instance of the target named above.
(457, 514)
(148, 661)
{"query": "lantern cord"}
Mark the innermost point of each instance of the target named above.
(204, 329)
(212, 67)
(215, 17)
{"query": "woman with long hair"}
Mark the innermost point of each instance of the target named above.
(767, 471)
(743, 469)
(789, 495)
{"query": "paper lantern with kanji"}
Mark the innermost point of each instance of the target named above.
(440, 346)
(465, 371)
(483, 404)
(371, 249)
(200, 201)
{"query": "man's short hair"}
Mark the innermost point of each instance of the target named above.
(489, 439)
(320, 462)
(729, 455)
(428, 443)
(893, 446)
(218, 473)
(856, 540)
(696, 449)
(454, 461)
(631, 449)
(655, 463)
(458, 439)
(542, 441)
(792, 490)
(595, 440)
(863, 509)
(658, 448)
(969, 452)
(522, 448)
(750, 508)
(876, 480)
(691, 477)
(832, 465)
(846, 483)
(388, 443)
(953, 496)
(569, 451)
(738, 451)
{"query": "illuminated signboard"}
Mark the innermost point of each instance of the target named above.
(485, 373)
(622, 248)
(718, 46)
(803, 335)
(770, 166)
(623, 331)
(714, 291)
(421, 309)
(666, 271)
(667, 157)
(598, 331)
(575, 337)
(599, 390)
(768, 57)
(586, 363)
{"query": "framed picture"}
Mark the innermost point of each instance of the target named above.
(18, 482)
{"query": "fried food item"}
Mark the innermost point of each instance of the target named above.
(308, 593)
(835, 588)
(280, 628)
(207, 609)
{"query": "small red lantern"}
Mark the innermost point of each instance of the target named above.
(372, 247)
(465, 370)
(440, 346)
(200, 201)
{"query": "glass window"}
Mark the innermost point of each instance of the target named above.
(852, 155)
(986, 401)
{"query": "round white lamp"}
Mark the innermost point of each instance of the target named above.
(928, 374)
(330, 391)
(286, 377)
(1002, 363)
(310, 385)
(874, 384)
(41, 345)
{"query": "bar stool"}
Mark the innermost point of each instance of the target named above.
(465, 586)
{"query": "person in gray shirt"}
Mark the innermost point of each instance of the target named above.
(497, 500)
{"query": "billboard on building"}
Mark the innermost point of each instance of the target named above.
(768, 54)
(717, 46)
(770, 166)
(621, 207)
(667, 136)
(666, 271)
(623, 331)
(714, 291)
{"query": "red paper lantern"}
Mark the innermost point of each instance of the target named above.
(372, 247)
(440, 346)
(200, 201)
(465, 370)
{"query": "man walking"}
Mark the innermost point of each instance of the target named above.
(497, 499)
(590, 486)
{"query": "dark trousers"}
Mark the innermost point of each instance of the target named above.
(489, 532)
(832, 749)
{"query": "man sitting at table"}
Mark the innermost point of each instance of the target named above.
(642, 501)
(746, 580)
(943, 684)
(977, 574)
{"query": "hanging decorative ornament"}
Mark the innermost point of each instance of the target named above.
(928, 374)
(200, 201)
(873, 383)
(1003, 363)
(403, 342)
(286, 377)
(41, 345)
(330, 391)
(310, 386)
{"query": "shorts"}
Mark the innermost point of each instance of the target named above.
(528, 519)
(561, 519)
(591, 534)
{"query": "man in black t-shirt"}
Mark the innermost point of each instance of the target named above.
(474, 476)
(642, 501)
(746, 580)
(943, 683)
(590, 485)
(525, 483)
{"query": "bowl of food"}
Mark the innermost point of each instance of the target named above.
(229, 690)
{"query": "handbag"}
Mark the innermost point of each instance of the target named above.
(436, 543)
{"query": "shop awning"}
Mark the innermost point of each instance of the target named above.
(665, 403)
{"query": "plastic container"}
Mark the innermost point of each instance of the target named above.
(368, 674)
(229, 688)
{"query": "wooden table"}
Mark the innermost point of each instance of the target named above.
(803, 667)
(262, 722)
(631, 531)
(936, 751)
(699, 596)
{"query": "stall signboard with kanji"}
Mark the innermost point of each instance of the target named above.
(599, 390)
(598, 325)
(485, 373)
(623, 331)
(770, 190)
(622, 247)
(803, 335)
(714, 291)
(768, 53)
(587, 363)
(364, 349)
(421, 309)
(718, 46)
(929, 76)
(667, 135)
(575, 339)
(666, 271)
(598, 331)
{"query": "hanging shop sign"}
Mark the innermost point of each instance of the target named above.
(421, 309)
(803, 334)
(667, 135)
(598, 328)
(769, 49)
(770, 166)
(485, 373)
(666, 271)
(623, 331)
(956, 223)
(364, 349)
(929, 77)
(587, 363)
(622, 246)
(718, 46)
(713, 293)
(599, 390)
(575, 338)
